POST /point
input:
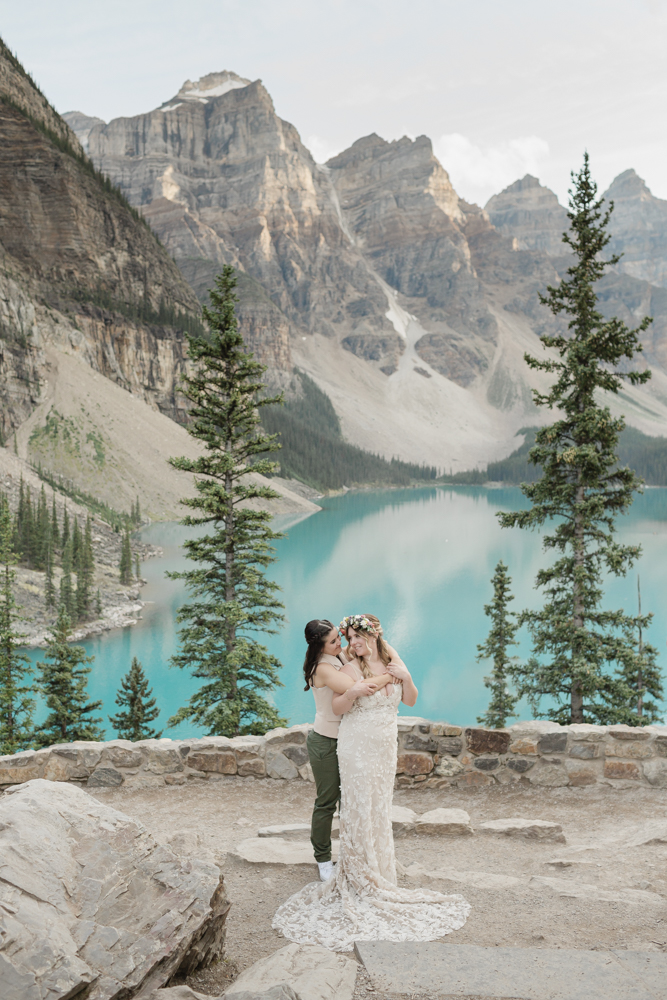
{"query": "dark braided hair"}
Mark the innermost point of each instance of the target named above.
(315, 633)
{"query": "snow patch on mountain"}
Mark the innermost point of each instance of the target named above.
(212, 85)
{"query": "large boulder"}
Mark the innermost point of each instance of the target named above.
(89, 901)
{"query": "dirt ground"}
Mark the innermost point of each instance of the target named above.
(596, 891)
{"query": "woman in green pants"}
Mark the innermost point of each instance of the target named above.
(321, 669)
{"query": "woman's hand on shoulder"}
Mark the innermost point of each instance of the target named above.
(362, 686)
(398, 670)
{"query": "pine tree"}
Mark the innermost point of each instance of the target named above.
(25, 540)
(84, 580)
(49, 589)
(64, 536)
(55, 531)
(42, 531)
(137, 512)
(641, 673)
(135, 696)
(16, 534)
(126, 559)
(63, 682)
(137, 567)
(231, 596)
(98, 603)
(67, 592)
(76, 546)
(575, 641)
(501, 635)
(16, 704)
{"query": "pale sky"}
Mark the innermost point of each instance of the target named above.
(502, 87)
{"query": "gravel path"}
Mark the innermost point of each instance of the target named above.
(621, 899)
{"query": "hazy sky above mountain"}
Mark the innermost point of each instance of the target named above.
(502, 87)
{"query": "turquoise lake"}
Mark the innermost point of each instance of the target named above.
(420, 559)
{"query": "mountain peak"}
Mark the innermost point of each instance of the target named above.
(211, 85)
(628, 185)
(530, 213)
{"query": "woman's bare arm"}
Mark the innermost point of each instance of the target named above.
(327, 675)
(400, 672)
(342, 703)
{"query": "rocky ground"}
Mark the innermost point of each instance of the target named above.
(603, 888)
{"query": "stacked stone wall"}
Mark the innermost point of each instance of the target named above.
(430, 754)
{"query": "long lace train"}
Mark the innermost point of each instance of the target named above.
(362, 901)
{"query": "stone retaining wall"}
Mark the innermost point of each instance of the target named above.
(430, 754)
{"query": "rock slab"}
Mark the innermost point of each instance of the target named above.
(445, 822)
(280, 992)
(312, 972)
(521, 973)
(90, 902)
(278, 851)
(531, 829)
(402, 820)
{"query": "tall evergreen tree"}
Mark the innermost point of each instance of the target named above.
(231, 596)
(55, 530)
(25, 529)
(137, 567)
(76, 545)
(64, 536)
(16, 538)
(63, 682)
(500, 637)
(67, 592)
(642, 674)
(16, 704)
(578, 647)
(126, 559)
(84, 579)
(49, 588)
(42, 531)
(134, 695)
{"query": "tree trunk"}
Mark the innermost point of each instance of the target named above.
(229, 577)
(576, 695)
(640, 677)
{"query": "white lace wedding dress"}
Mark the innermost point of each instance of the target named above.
(362, 902)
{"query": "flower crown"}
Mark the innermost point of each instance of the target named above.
(359, 623)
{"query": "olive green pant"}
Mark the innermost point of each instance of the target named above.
(324, 762)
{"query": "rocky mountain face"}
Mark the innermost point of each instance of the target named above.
(401, 211)
(366, 272)
(222, 178)
(639, 229)
(409, 307)
(531, 214)
(77, 268)
(636, 287)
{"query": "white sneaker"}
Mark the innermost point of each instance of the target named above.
(326, 870)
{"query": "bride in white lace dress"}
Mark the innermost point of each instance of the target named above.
(361, 901)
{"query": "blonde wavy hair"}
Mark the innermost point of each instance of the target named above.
(383, 649)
